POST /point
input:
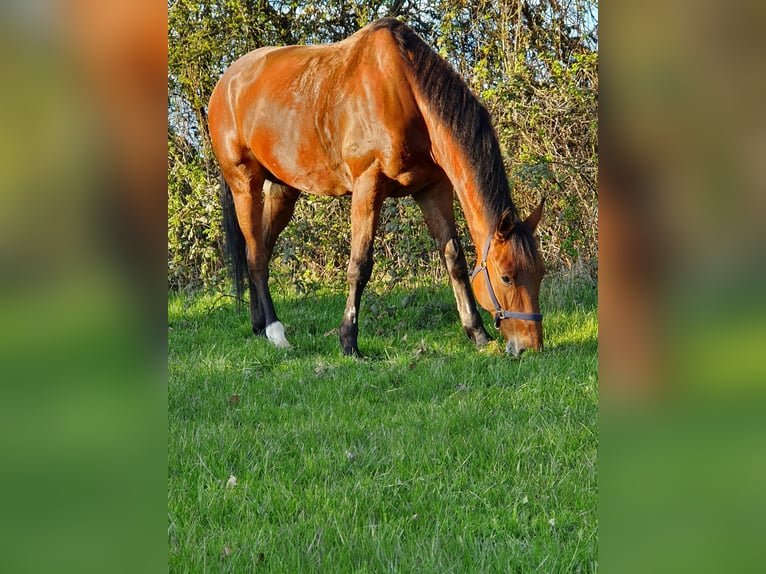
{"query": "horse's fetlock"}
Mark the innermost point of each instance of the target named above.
(348, 334)
(478, 335)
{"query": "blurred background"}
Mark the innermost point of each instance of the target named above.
(681, 267)
(86, 182)
(82, 289)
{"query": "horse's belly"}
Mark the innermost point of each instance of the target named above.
(321, 186)
(310, 180)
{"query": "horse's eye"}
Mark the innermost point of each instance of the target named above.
(507, 280)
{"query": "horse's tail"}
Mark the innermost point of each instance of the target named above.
(234, 243)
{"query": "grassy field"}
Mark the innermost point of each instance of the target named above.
(427, 456)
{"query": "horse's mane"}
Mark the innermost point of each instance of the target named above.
(523, 247)
(465, 117)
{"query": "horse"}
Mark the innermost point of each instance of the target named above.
(376, 115)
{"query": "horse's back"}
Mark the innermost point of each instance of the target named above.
(317, 117)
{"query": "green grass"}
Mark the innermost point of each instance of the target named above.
(428, 456)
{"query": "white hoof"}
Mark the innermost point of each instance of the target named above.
(276, 334)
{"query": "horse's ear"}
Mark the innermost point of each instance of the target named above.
(505, 225)
(534, 217)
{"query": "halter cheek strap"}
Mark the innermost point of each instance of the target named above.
(500, 313)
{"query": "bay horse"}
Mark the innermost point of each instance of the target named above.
(376, 115)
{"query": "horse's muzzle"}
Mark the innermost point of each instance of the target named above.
(513, 350)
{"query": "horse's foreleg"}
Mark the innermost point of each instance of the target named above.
(278, 207)
(436, 205)
(246, 183)
(366, 202)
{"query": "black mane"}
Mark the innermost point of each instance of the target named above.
(466, 118)
(523, 247)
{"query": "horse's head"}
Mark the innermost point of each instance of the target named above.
(507, 279)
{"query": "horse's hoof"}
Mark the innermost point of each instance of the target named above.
(352, 352)
(276, 334)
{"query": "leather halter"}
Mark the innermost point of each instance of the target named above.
(500, 313)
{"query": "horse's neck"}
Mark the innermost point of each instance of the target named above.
(464, 179)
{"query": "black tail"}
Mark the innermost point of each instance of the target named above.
(234, 244)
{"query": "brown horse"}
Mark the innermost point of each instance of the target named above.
(376, 115)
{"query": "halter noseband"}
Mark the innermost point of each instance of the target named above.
(500, 313)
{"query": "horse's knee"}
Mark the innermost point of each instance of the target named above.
(359, 271)
(455, 259)
(453, 251)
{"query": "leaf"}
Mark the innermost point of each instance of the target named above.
(234, 399)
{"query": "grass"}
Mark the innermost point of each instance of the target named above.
(428, 456)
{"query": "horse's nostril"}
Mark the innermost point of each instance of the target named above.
(513, 350)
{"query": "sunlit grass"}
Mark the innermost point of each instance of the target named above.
(428, 455)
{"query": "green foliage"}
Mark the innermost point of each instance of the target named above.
(194, 226)
(535, 67)
(313, 250)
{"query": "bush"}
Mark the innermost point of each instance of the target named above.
(194, 227)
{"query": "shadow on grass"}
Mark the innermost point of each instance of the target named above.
(394, 323)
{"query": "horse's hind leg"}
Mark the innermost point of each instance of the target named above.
(436, 205)
(366, 201)
(278, 207)
(246, 181)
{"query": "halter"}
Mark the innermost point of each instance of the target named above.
(500, 313)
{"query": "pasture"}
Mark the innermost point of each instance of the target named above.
(426, 456)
